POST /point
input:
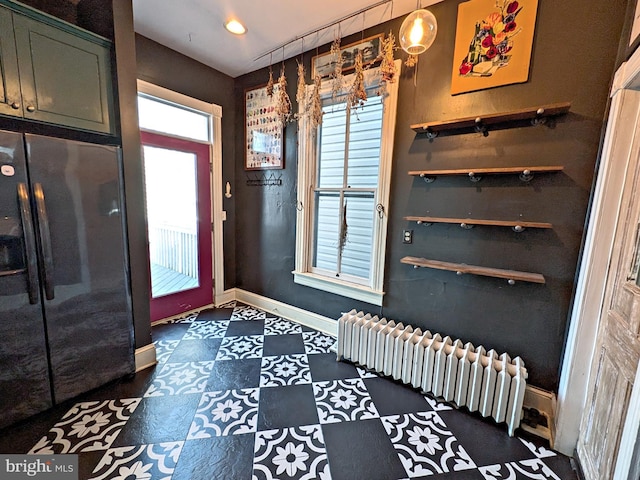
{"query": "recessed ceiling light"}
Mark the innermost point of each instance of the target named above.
(235, 27)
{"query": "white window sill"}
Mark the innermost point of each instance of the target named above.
(339, 287)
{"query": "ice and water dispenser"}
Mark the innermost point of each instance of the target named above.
(11, 245)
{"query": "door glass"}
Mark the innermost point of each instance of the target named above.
(171, 188)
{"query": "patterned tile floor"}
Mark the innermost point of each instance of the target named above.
(240, 394)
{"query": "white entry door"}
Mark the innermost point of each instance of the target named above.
(617, 346)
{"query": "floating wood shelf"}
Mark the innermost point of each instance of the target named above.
(534, 116)
(475, 174)
(460, 268)
(516, 225)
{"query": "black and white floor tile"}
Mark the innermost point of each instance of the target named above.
(343, 401)
(202, 330)
(231, 412)
(242, 394)
(236, 348)
(284, 370)
(279, 326)
(164, 349)
(295, 452)
(180, 379)
(425, 445)
(87, 426)
(246, 312)
(317, 342)
(139, 462)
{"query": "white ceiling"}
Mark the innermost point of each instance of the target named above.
(195, 27)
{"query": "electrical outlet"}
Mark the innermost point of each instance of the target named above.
(407, 236)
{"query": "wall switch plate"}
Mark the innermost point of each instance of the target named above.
(407, 236)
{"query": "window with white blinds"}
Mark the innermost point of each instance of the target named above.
(343, 190)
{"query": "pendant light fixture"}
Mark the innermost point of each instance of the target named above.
(418, 31)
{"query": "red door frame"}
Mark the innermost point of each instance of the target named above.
(186, 300)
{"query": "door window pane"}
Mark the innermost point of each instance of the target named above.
(170, 181)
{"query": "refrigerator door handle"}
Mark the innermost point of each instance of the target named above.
(29, 242)
(45, 242)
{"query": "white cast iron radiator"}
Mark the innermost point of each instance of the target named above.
(470, 377)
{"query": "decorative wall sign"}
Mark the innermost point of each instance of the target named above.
(371, 51)
(493, 45)
(263, 130)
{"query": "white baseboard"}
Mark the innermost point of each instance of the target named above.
(304, 317)
(545, 403)
(145, 357)
(225, 297)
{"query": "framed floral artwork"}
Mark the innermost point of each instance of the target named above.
(494, 39)
(263, 130)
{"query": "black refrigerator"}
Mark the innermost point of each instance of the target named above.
(65, 306)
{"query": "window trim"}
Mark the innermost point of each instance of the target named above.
(307, 153)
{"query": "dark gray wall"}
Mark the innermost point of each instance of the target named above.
(125, 61)
(167, 68)
(574, 53)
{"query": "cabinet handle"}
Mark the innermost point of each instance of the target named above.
(31, 108)
(15, 105)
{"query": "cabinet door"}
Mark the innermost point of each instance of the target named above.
(10, 102)
(65, 79)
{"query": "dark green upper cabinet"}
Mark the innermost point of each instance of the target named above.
(65, 75)
(10, 99)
